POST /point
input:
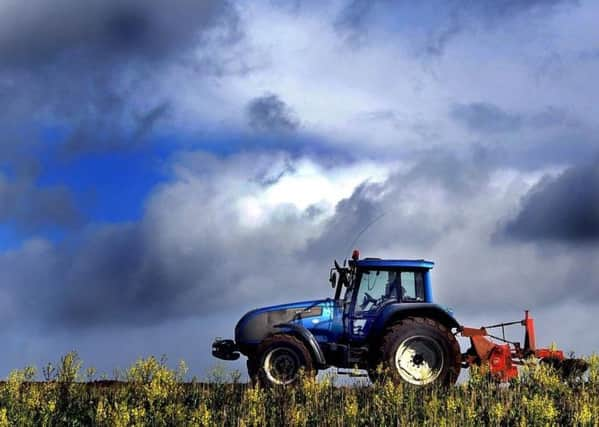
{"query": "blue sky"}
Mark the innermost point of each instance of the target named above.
(160, 172)
(97, 180)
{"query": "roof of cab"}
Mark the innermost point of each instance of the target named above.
(394, 263)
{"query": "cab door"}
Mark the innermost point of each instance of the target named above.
(375, 289)
(324, 320)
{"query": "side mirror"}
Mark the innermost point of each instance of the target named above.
(333, 279)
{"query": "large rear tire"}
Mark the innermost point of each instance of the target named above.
(419, 351)
(279, 360)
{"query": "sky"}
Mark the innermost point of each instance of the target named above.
(167, 166)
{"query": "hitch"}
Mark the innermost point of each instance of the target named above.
(503, 359)
(225, 349)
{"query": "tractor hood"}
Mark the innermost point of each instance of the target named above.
(258, 323)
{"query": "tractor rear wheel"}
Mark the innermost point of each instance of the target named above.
(279, 361)
(420, 351)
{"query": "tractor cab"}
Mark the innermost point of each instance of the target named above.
(368, 285)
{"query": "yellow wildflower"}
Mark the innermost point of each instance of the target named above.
(584, 415)
(3, 418)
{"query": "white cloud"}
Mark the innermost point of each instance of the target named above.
(306, 184)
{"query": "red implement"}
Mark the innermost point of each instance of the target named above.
(502, 358)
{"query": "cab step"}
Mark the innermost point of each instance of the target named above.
(354, 373)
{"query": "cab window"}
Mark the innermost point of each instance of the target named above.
(376, 286)
(412, 286)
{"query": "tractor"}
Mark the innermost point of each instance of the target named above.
(382, 319)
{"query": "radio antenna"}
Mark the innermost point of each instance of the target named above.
(362, 231)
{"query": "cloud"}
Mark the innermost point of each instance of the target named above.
(353, 19)
(40, 33)
(505, 8)
(114, 125)
(412, 210)
(148, 119)
(528, 139)
(485, 117)
(96, 71)
(269, 113)
(438, 39)
(560, 209)
(488, 118)
(434, 25)
(33, 209)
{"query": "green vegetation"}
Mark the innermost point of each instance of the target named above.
(153, 394)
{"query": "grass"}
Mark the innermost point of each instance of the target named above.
(150, 393)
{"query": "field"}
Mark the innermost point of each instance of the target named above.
(149, 393)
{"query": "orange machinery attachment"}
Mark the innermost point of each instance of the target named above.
(502, 359)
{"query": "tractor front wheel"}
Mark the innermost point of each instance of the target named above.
(420, 351)
(279, 360)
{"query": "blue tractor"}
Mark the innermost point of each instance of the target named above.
(382, 319)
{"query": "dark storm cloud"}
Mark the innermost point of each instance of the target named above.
(384, 208)
(93, 69)
(561, 209)
(107, 276)
(351, 215)
(38, 32)
(33, 209)
(110, 275)
(270, 113)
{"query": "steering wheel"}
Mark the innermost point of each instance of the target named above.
(367, 299)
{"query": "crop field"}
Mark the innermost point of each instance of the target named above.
(149, 393)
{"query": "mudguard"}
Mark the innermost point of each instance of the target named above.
(306, 336)
(396, 311)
